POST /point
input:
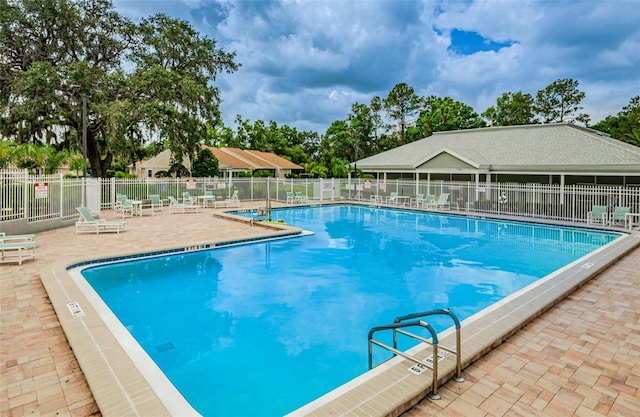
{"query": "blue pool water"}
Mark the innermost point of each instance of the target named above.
(263, 328)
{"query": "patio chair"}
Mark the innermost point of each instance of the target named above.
(441, 202)
(291, 197)
(618, 215)
(428, 200)
(417, 200)
(233, 199)
(120, 198)
(598, 214)
(187, 199)
(125, 206)
(156, 202)
(17, 248)
(88, 224)
(301, 198)
(176, 206)
(391, 199)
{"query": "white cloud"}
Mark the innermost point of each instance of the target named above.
(304, 63)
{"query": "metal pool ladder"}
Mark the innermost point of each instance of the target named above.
(410, 320)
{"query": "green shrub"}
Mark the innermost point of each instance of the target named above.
(120, 174)
(262, 173)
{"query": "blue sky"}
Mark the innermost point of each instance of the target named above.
(305, 62)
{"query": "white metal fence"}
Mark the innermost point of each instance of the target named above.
(38, 198)
(249, 189)
(543, 201)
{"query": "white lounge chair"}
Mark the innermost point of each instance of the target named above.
(17, 248)
(233, 199)
(88, 224)
(392, 198)
(175, 206)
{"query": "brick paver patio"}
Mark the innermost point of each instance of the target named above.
(580, 358)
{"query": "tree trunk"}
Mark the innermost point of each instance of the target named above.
(98, 165)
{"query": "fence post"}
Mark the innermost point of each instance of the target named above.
(333, 189)
(620, 202)
(535, 199)
(61, 194)
(25, 195)
(112, 193)
(277, 189)
(573, 203)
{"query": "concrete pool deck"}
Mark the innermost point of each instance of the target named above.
(580, 357)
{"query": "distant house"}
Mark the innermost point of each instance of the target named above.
(559, 153)
(231, 162)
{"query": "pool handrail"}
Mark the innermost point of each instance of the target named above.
(439, 311)
(434, 343)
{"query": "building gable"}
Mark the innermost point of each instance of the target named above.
(444, 160)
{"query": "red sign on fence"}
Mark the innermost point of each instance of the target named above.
(42, 189)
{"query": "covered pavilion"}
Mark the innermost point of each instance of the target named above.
(560, 153)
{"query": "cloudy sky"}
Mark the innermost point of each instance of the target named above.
(305, 62)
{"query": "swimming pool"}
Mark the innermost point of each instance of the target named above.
(361, 268)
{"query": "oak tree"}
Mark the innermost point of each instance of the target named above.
(153, 80)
